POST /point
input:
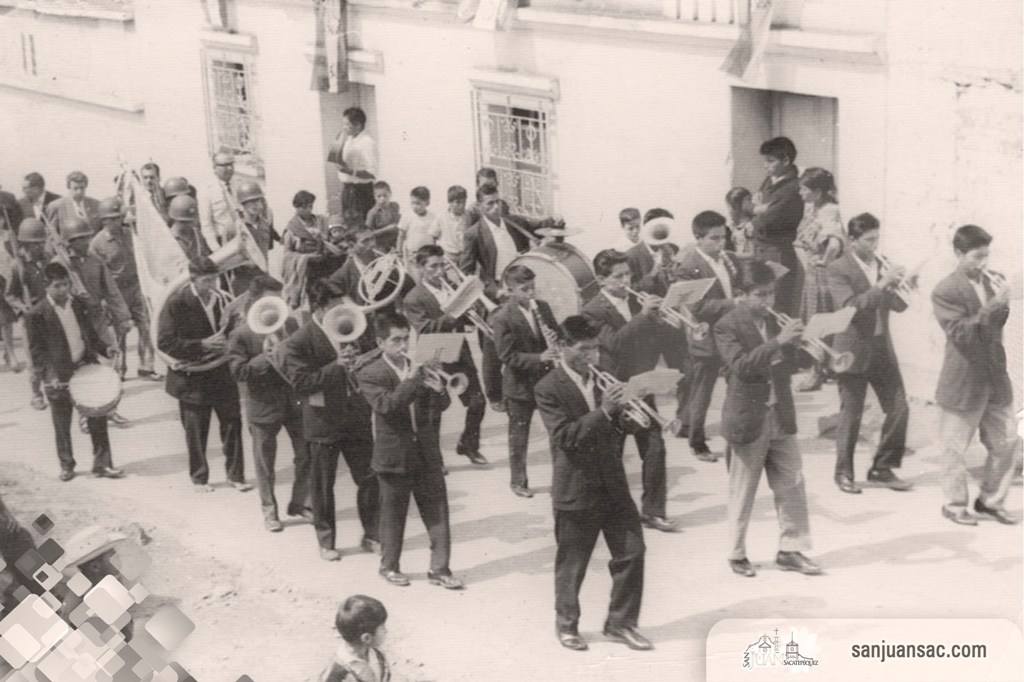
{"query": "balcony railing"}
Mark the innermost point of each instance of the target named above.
(703, 11)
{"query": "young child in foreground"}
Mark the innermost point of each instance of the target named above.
(360, 620)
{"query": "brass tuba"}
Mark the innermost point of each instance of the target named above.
(267, 315)
(343, 323)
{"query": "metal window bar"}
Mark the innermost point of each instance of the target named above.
(231, 115)
(513, 138)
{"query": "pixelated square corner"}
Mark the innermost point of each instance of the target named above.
(43, 524)
(29, 631)
(50, 550)
(169, 627)
(109, 599)
(131, 561)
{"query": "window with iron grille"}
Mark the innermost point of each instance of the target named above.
(513, 136)
(231, 118)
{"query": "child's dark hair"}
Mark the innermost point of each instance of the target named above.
(421, 193)
(753, 274)
(627, 214)
(355, 115)
(457, 193)
(705, 221)
(357, 615)
(820, 180)
(779, 148)
(970, 237)
(577, 328)
(54, 272)
(380, 184)
(518, 274)
(860, 225)
(303, 198)
(426, 252)
(386, 321)
(489, 176)
(605, 260)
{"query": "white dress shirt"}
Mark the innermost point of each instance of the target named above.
(528, 313)
(38, 207)
(873, 274)
(762, 329)
(621, 304)
(504, 245)
(73, 333)
(210, 308)
(585, 385)
(441, 295)
(721, 272)
(359, 153)
(404, 372)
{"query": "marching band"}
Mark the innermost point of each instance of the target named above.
(337, 368)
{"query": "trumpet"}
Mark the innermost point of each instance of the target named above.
(456, 383)
(839, 362)
(904, 287)
(677, 318)
(637, 409)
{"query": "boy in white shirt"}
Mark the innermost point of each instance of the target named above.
(418, 229)
(453, 223)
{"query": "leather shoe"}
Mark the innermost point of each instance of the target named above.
(795, 561)
(659, 523)
(118, 420)
(999, 515)
(330, 554)
(151, 375)
(522, 491)
(395, 577)
(449, 582)
(742, 567)
(272, 524)
(305, 513)
(203, 488)
(847, 485)
(959, 516)
(66, 474)
(370, 545)
(572, 640)
(704, 455)
(498, 405)
(474, 456)
(888, 479)
(108, 472)
(628, 636)
(241, 486)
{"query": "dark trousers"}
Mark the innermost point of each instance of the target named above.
(683, 401)
(576, 535)
(264, 448)
(196, 420)
(61, 411)
(431, 494)
(883, 374)
(520, 414)
(357, 195)
(490, 367)
(787, 289)
(703, 375)
(651, 446)
(15, 541)
(474, 402)
(357, 449)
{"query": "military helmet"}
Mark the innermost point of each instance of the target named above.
(175, 186)
(75, 228)
(111, 207)
(89, 543)
(32, 231)
(184, 208)
(248, 191)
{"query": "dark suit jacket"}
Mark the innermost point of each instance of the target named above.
(102, 288)
(519, 349)
(777, 225)
(26, 206)
(269, 397)
(397, 447)
(424, 313)
(345, 281)
(975, 357)
(309, 362)
(182, 326)
(850, 287)
(63, 209)
(709, 309)
(749, 369)
(586, 448)
(641, 265)
(10, 214)
(26, 281)
(480, 254)
(48, 344)
(627, 348)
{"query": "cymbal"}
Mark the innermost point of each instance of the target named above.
(558, 232)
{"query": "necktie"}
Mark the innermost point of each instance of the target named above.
(80, 210)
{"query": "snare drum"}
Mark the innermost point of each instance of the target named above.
(565, 280)
(95, 390)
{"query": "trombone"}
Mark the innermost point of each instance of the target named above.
(904, 288)
(474, 317)
(636, 409)
(676, 318)
(456, 383)
(839, 362)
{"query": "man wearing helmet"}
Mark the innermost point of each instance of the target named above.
(27, 286)
(75, 205)
(183, 213)
(259, 220)
(114, 246)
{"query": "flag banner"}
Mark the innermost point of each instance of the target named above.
(745, 59)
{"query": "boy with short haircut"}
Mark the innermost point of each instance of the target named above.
(453, 223)
(420, 228)
(527, 358)
(629, 221)
(778, 210)
(361, 622)
(974, 389)
(384, 214)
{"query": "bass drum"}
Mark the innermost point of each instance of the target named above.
(95, 390)
(565, 280)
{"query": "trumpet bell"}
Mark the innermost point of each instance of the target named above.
(458, 384)
(657, 232)
(842, 362)
(267, 315)
(344, 324)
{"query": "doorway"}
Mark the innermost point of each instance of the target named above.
(331, 107)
